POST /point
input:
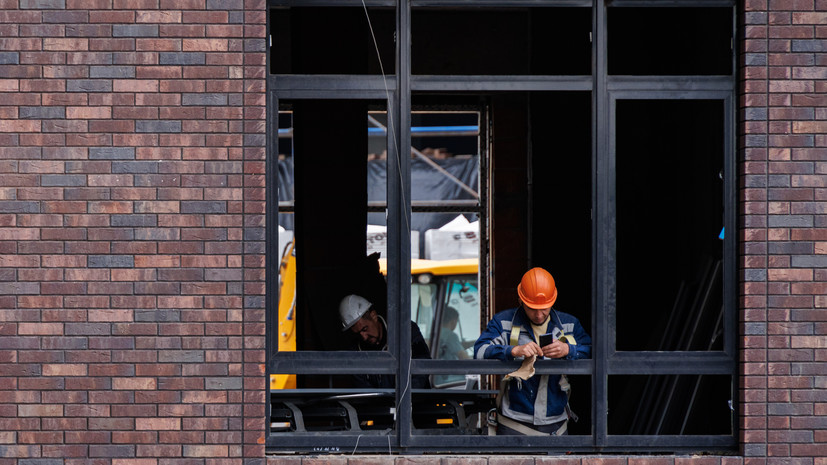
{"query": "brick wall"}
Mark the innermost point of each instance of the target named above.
(131, 174)
(131, 236)
(784, 251)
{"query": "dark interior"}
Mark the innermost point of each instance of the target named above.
(561, 196)
(670, 405)
(331, 40)
(670, 41)
(669, 278)
(519, 41)
(528, 41)
(330, 147)
(669, 281)
(501, 42)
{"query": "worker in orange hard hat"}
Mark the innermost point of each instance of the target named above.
(529, 404)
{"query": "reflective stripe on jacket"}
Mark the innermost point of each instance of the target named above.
(539, 400)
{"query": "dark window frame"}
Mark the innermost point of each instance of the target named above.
(606, 360)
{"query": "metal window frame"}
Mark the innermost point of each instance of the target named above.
(605, 91)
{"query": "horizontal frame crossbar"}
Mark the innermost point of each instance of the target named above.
(621, 363)
(501, 3)
(487, 83)
(495, 367)
(499, 444)
(333, 442)
(699, 443)
(300, 86)
(383, 362)
(433, 3)
(671, 363)
(470, 206)
(297, 86)
(332, 363)
(332, 86)
(654, 84)
(672, 3)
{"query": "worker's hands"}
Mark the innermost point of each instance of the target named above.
(557, 349)
(526, 350)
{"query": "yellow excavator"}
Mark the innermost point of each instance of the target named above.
(287, 313)
(435, 284)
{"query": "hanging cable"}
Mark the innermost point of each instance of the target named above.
(398, 150)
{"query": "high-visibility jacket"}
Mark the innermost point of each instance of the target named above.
(539, 400)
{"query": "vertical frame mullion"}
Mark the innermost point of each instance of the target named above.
(271, 245)
(730, 228)
(484, 262)
(603, 229)
(399, 231)
(730, 253)
(730, 209)
(730, 225)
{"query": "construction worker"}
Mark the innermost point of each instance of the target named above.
(358, 315)
(528, 404)
(450, 345)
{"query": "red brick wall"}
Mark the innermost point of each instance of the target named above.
(131, 236)
(131, 229)
(784, 251)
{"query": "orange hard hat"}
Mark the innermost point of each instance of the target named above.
(537, 289)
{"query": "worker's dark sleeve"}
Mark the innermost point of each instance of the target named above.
(373, 381)
(419, 349)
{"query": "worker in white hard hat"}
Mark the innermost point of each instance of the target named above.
(360, 318)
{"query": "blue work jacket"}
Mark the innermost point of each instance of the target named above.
(539, 400)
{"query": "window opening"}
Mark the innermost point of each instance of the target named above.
(331, 40)
(700, 41)
(544, 162)
(540, 41)
(458, 328)
(561, 194)
(670, 405)
(310, 167)
(676, 231)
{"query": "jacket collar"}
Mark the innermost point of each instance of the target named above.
(521, 319)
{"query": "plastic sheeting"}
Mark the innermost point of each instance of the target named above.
(427, 184)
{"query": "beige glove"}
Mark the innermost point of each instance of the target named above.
(525, 371)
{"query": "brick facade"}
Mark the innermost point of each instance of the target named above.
(131, 236)
(131, 152)
(783, 192)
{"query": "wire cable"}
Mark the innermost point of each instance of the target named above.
(398, 150)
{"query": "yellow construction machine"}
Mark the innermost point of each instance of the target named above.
(435, 284)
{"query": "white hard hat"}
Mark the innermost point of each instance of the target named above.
(351, 308)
